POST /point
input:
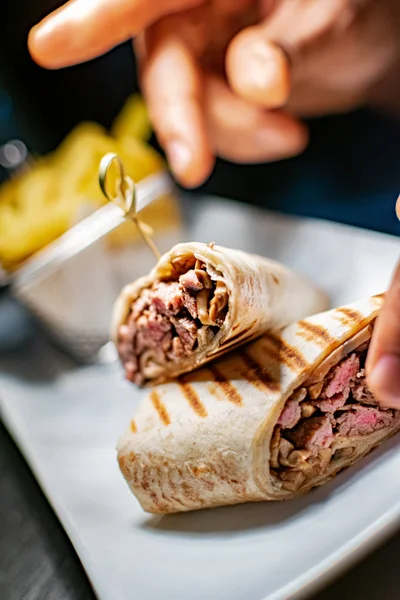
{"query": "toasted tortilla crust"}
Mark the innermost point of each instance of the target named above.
(263, 296)
(204, 440)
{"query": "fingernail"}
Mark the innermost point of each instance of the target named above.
(385, 380)
(259, 71)
(264, 65)
(179, 157)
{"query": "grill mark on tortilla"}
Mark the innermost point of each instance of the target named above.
(189, 492)
(133, 426)
(160, 407)
(284, 353)
(223, 350)
(235, 338)
(177, 500)
(123, 461)
(350, 316)
(264, 379)
(157, 480)
(193, 399)
(144, 480)
(315, 333)
(379, 296)
(215, 391)
(226, 386)
(173, 486)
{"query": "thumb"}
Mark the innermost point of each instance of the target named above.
(383, 361)
(262, 61)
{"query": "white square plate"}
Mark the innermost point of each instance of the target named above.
(67, 420)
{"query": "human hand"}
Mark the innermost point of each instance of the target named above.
(226, 78)
(383, 360)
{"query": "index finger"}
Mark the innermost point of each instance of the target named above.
(84, 29)
(383, 361)
(172, 84)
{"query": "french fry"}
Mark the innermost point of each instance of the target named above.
(133, 120)
(61, 188)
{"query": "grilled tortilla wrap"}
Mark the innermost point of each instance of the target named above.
(200, 301)
(253, 425)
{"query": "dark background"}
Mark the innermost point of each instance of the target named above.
(350, 173)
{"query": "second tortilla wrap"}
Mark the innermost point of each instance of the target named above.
(199, 302)
(232, 432)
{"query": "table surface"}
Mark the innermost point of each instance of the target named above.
(37, 561)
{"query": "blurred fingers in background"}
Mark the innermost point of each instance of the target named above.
(234, 79)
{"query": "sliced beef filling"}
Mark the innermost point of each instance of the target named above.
(318, 422)
(171, 320)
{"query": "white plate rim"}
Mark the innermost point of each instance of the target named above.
(310, 582)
